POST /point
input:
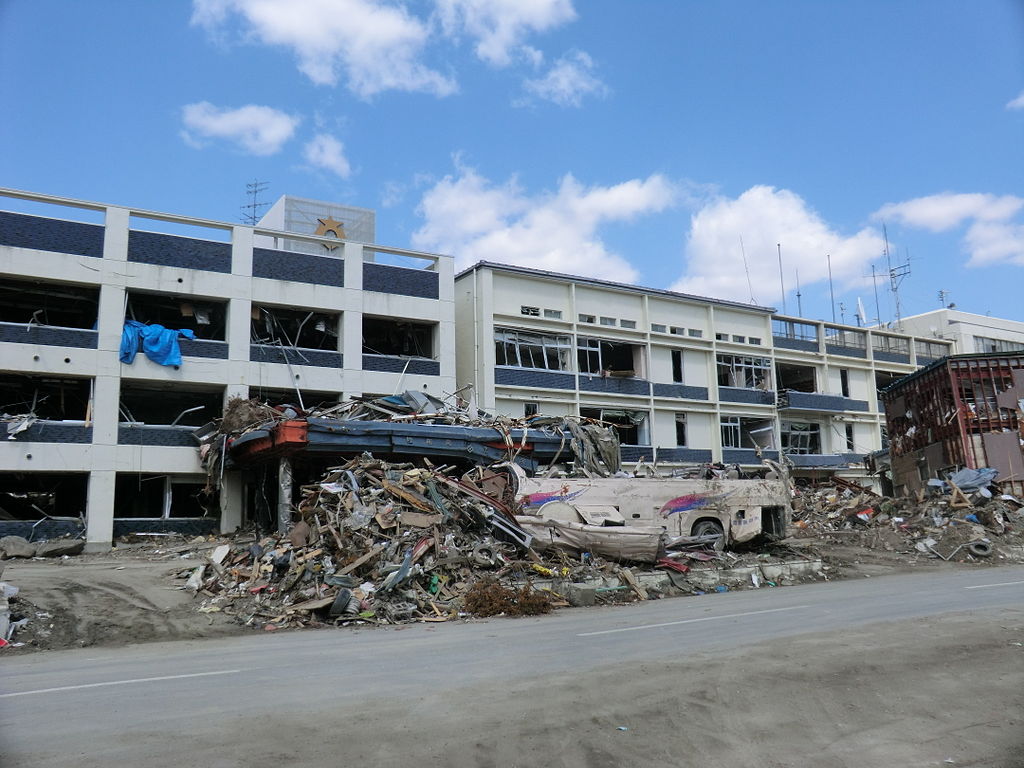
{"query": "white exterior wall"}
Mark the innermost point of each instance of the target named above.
(113, 275)
(961, 328)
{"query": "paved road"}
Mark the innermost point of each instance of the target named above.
(109, 706)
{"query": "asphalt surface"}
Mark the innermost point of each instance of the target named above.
(143, 704)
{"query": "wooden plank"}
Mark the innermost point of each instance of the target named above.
(365, 558)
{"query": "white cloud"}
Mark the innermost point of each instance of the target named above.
(326, 152)
(947, 210)
(499, 26)
(764, 217)
(1017, 103)
(376, 45)
(992, 235)
(568, 81)
(258, 130)
(474, 219)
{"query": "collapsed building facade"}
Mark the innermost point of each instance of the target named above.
(87, 287)
(965, 411)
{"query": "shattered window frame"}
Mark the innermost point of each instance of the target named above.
(596, 352)
(551, 352)
(418, 338)
(274, 320)
(627, 423)
(744, 371)
(801, 438)
(740, 427)
(31, 302)
(680, 422)
(53, 397)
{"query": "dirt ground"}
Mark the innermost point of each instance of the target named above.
(133, 594)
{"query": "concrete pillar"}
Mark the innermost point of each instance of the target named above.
(99, 532)
(284, 499)
(352, 320)
(231, 497)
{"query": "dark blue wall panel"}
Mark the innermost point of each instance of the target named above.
(18, 333)
(43, 234)
(385, 278)
(297, 267)
(415, 365)
(534, 378)
(175, 251)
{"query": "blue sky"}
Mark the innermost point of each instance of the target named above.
(667, 143)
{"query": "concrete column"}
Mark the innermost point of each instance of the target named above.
(284, 499)
(231, 512)
(241, 251)
(106, 397)
(115, 235)
(352, 319)
(99, 532)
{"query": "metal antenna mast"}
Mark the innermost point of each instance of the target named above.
(746, 269)
(782, 282)
(831, 290)
(251, 211)
(896, 276)
(943, 295)
(799, 302)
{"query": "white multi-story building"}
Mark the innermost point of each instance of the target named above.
(684, 378)
(110, 441)
(969, 333)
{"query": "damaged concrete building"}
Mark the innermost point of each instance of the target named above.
(683, 378)
(305, 316)
(965, 411)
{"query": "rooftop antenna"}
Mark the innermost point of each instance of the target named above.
(842, 312)
(782, 282)
(799, 302)
(251, 211)
(896, 276)
(746, 269)
(943, 297)
(878, 309)
(831, 290)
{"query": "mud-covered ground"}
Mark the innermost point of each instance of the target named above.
(134, 594)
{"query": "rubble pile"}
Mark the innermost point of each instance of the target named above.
(379, 542)
(943, 522)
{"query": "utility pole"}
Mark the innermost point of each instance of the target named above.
(831, 289)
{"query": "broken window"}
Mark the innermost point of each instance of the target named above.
(531, 409)
(207, 318)
(844, 382)
(531, 311)
(800, 378)
(161, 496)
(745, 372)
(791, 329)
(850, 447)
(631, 426)
(397, 338)
(39, 495)
(680, 429)
(51, 398)
(524, 349)
(884, 378)
(743, 432)
(170, 404)
(44, 303)
(599, 356)
(306, 329)
(800, 437)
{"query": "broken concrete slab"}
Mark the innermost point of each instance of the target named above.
(59, 547)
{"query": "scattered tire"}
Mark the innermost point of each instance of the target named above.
(980, 548)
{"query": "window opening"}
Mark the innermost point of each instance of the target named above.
(739, 339)
(892, 344)
(627, 323)
(553, 314)
(799, 378)
(790, 329)
(301, 328)
(524, 349)
(170, 404)
(850, 447)
(206, 318)
(744, 372)
(695, 333)
(677, 366)
(530, 409)
(587, 319)
(598, 356)
(397, 338)
(681, 429)
(42, 303)
(743, 432)
(658, 328)
(531, 311)
(800, 437)
(844, 381)
(51, 398)
(630, 426)
(607, 320)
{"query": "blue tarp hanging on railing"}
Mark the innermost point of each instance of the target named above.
(159, 344)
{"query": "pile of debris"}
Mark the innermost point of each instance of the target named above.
(965, 520)
(374, 542)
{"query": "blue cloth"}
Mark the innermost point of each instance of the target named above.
(159, 344)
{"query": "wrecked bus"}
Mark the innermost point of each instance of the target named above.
(633, 517)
